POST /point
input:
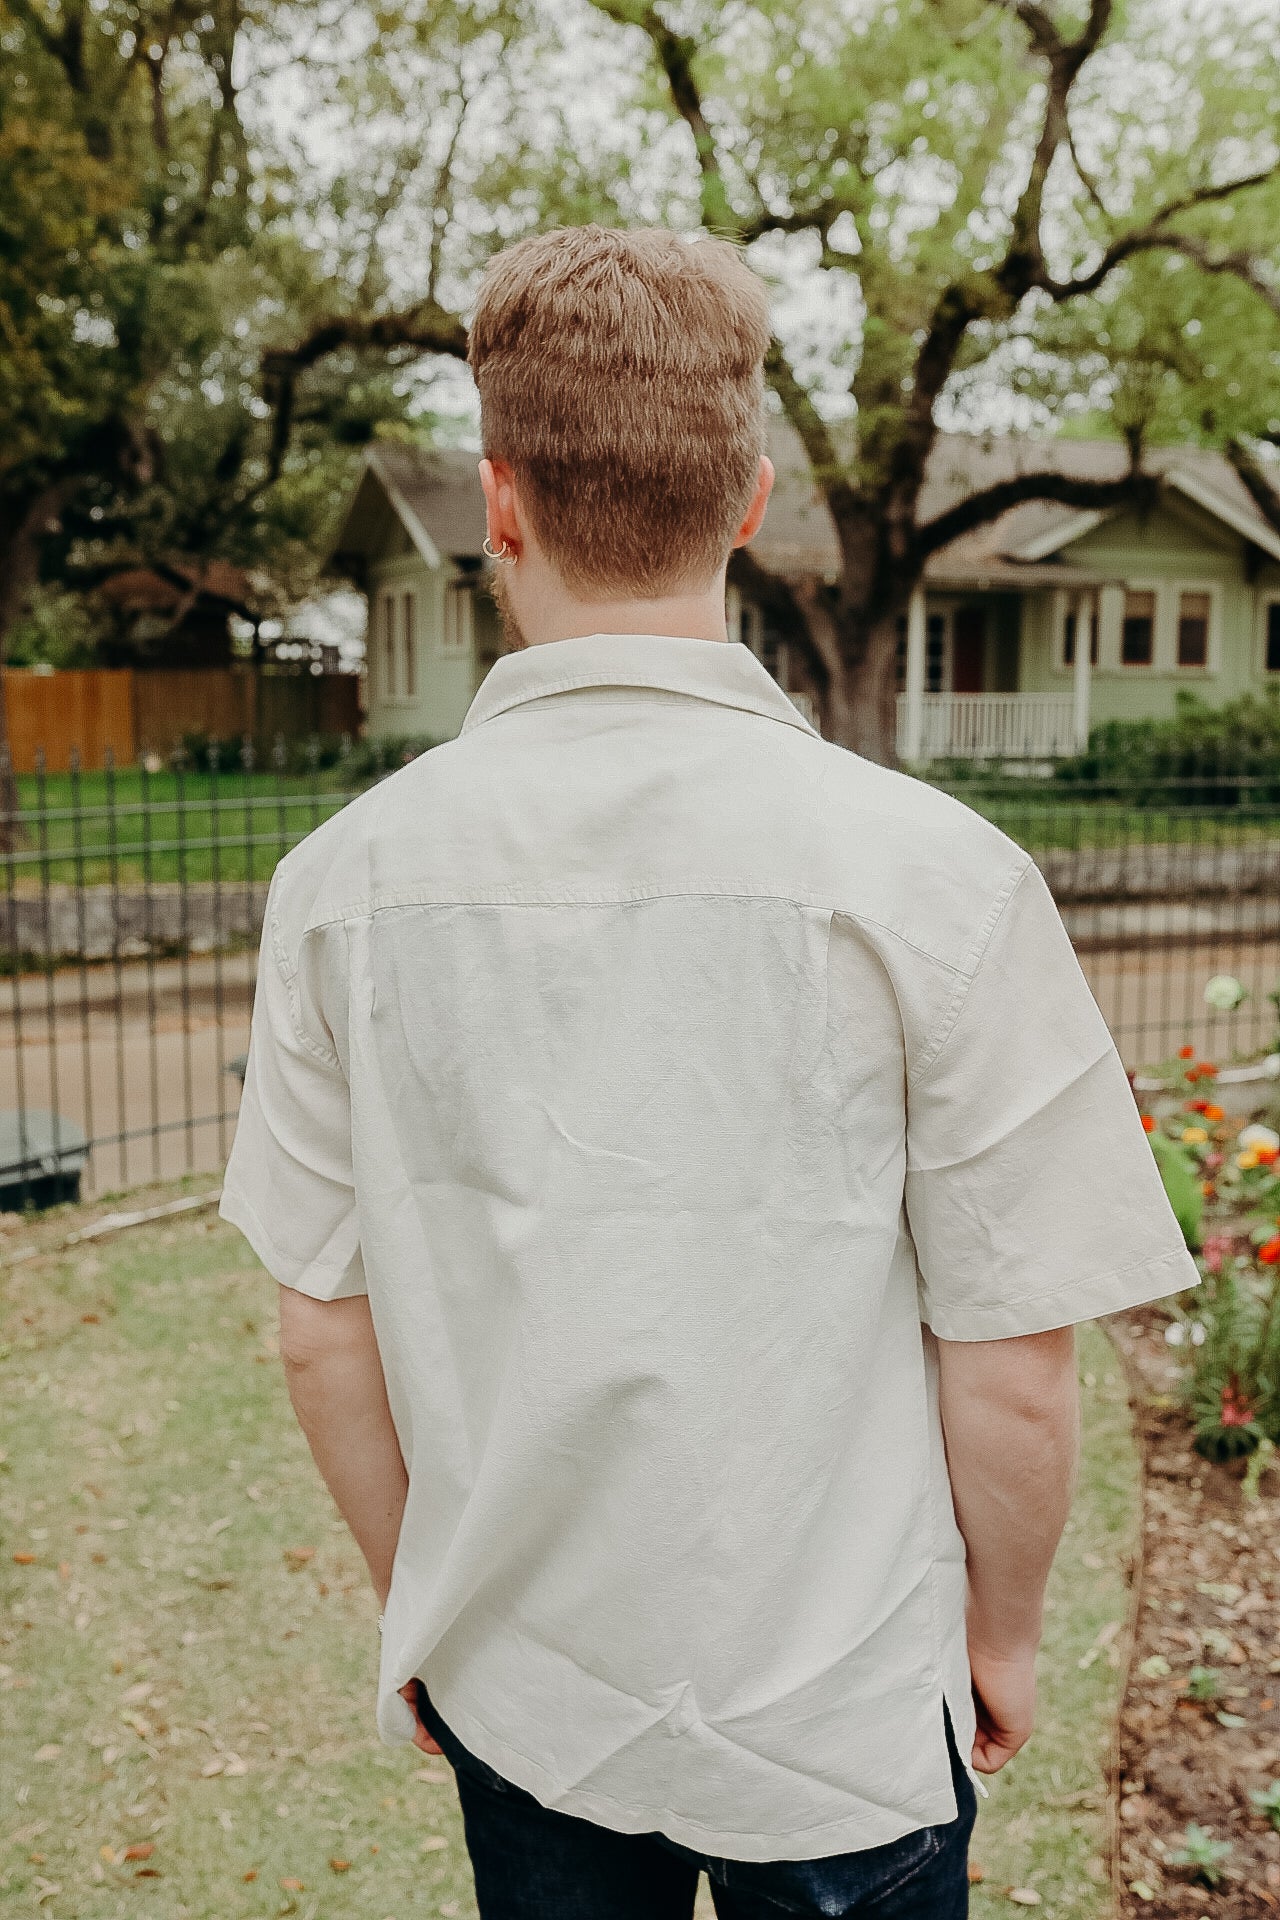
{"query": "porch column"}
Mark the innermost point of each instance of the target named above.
(913, 730)
(1085, 612)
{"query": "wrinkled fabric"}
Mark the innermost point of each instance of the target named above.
(671, 1080)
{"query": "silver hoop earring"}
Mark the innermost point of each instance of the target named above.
(503, 553)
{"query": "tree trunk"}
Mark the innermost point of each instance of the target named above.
(872, 696)
(20, 535)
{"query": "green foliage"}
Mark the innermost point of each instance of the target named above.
(1204, 756)
(1232, 1383)
(1182, 1185)
(1205, 1856)
(1267, 1801)
(1204, 1684)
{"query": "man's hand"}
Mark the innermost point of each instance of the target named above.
(421, 1738)
(1004, 1694)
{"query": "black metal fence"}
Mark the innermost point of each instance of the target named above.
(132, 900)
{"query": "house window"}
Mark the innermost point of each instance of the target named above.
(388, 637)
(1138, 630)
(409, 616)
(458, 632)
(1273, 637)
(1193, 629)
(1090, 622)
(935, 653)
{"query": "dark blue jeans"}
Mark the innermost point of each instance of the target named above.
(532, 1863)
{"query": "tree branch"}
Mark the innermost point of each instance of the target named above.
(1262, 485)
(1159, 239)
(425, 328)
(1135, 488)
(676, 54)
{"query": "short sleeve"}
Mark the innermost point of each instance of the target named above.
(1032, 1193)
(288, 1185)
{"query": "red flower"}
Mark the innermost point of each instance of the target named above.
(1206, 1070)
(1186, 1053)
(1267, 1156)
(1236, 1410)
(1197, 1106)
(1269, 1252)
(1148, 1123)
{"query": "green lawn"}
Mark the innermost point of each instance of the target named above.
(131, 827)
(1067, 820)
(187, 1663)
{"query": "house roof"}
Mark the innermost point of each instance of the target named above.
(160, 589)
(436, 495)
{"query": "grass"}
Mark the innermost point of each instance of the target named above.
(1044, 1827)
(131, 828)
(187, 1663)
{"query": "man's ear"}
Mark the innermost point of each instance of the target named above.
(498, 485)
(759, 501)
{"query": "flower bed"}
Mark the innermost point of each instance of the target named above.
(1199, 1734)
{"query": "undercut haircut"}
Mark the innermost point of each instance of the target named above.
(621, 377)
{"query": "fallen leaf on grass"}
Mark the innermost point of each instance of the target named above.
(434, 1842)
(291, 1885)
(64, 1569)
(434, 1776)
(25, 1559)
(50, 1751)
(252, 1874)
(212, 1767)
(1025, 1897)
(340, 1866)
(141, 1850)
(298, 1556)
(135, 1695)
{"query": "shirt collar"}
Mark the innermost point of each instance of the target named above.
(725, 672)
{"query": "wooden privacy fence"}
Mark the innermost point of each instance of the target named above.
(131, 711)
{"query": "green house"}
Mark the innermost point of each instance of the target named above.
(1024, 633)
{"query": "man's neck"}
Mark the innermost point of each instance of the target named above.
(695, 616)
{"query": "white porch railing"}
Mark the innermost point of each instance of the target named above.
(991, 726)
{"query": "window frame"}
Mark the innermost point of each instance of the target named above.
(1270, 597)
(1145, 590)
(457, 620)
(409, 641)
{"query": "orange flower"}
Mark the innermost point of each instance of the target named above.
(1267, 1156)
(1149, 1125)
(1269, 1253)
(1209, 1111)
(1206, 1070)
(1186, 1053)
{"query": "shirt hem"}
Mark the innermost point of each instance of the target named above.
(1068, 1304)
(849, 1834)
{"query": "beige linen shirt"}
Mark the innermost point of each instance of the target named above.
(671, 1079)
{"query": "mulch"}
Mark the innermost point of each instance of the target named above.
(1207, 1594)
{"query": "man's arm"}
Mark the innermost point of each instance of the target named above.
(334, 1374)
(1011, 1419)
(339, 1392)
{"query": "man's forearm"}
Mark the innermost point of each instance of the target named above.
(336, 1384)
(1010, 1414)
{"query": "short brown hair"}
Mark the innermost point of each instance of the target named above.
(621, 379)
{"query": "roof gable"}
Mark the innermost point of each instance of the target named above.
(436, 495)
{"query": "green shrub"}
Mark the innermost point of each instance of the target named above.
(1210, 756)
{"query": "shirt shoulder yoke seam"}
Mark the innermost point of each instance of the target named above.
(417, 897)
